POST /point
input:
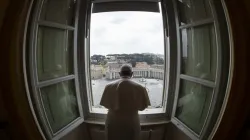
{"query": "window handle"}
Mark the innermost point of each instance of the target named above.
(87, 35)
(165, 32)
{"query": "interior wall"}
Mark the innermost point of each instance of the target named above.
(173, 133)
(245, 131)
(79, 133)
(152, 132)
(4, 129)
(16, 120)
(238, 107)
(3, 6)
(15, 106)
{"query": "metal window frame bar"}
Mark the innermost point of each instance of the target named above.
(75, 59)
(113, 6)
(171, 53)
(143, 117)
(183, 127)
(36, 85)
(88, 82)
(68, 128)
(198, 80)
(87, 60)
(214, 85)
(33, 69)
(100, 1)
(217, 9)
(218, 71)
(163, 13)
(166, 75)
(81, 50)
(87, 76)
(43, 110)
(25, 67)
(178, 39)
(197, 23)
(55, 81)
(55, 25)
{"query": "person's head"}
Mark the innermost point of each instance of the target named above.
(126, 71)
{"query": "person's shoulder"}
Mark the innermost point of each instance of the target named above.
(136, 84)
(112, 83)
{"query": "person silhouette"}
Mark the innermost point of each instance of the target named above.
(123, 99)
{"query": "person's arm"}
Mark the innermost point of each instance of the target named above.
(144, 100)
(105, 99)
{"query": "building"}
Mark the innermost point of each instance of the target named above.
(111, 57)
(155, 66)
(97, 71)
(137, 73)
(142, 65)
(141, 70)
(113, 65)
(113, 68)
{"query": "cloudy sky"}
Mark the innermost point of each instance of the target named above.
(126, 32)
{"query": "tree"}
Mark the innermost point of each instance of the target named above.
(131, 58)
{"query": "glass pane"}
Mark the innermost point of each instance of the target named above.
(193, 104)
(199, 53)
(59, 11)
(193, 10)
(128, 37)
(54, 55)
(60, 104)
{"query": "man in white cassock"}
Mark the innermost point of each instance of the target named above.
(124, 98)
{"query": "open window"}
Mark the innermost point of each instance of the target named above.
(125, 33)
(203, 65)
(178, 49)
(53, 66)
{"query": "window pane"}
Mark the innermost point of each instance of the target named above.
(59, 11)
(199, 53)
(193, 10)
(54, 55)
(130, 37)
(193, 104)
(60, 104)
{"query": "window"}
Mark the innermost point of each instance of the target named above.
(178, 49)
(199, 66)
(54, 73)
(127, 37)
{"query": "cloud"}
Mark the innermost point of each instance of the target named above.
(126, 32)
(118, 20)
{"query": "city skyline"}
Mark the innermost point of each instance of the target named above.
(126, 32)
(129, 53)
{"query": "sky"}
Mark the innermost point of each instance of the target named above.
(126, 32)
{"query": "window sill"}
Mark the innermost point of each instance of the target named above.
(143, 123)
(146, 111)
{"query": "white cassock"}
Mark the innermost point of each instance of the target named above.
(124, 98)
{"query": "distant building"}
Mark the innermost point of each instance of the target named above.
(141, 65)
(111, 57)
(93, 61)
(121, 61)
(97, 71)
(142, 70)
(155, 66)
(113, 69)
(116, 65)
(113, 65)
